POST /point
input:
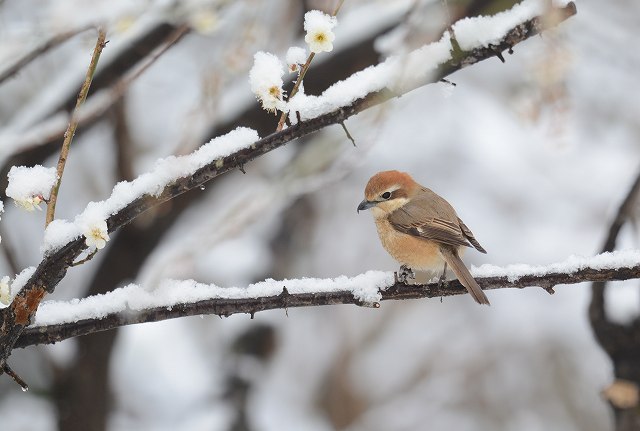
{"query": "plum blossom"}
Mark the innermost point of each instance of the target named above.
(319, 26)
(30, 186)
(266, 82)
(96, 234)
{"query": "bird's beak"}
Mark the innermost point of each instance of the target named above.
(365, 205)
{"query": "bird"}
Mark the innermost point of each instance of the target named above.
(419, 228)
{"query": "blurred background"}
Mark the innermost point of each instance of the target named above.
(535, 154)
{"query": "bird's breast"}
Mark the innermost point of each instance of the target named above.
(416, 253)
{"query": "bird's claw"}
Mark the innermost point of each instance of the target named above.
(442, 281)
(404, 273)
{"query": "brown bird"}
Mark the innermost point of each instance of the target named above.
(420, 229)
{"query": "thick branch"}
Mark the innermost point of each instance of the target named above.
(15, 318)
(619, 341)
(602, 327)
(226, 307)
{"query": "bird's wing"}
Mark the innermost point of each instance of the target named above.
(469, 235)
(429, 216)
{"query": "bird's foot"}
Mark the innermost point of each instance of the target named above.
(442, 281)
(404, 274)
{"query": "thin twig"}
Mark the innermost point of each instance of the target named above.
(46, 46)
(16, 378)
(303, 72)
(86, 259)
(46, 132)
(73, 124)
(344, 127)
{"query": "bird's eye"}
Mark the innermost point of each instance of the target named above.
(386, 195)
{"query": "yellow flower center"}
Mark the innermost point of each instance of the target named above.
(274, 92)
(320, 37)
(96, 233)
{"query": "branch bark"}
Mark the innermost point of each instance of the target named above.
(15, 318)
(226, 307)
(619, 341)
(73, 123)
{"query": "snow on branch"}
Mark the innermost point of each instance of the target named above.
(63, 244)
(58, 320)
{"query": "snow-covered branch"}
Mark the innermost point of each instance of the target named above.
(175, 176)
(58, 320)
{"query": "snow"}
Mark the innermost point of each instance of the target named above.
(21, 279)
(8, 292)
(27, 182)
(364, 287)
(398, 73)
(482, 31)
(5, 293)
(617, 259)
(265, 79)
(58, 233)
(295, 56)
(152, 183)
(402, 73)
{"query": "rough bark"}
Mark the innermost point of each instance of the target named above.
(619, 341)
(285, 300)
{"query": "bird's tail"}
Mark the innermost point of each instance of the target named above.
(460, 270)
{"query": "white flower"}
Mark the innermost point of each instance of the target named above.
(97, 234)
(319, 26)
(265, 78)
(5, 291)
(28, 187)
(295, 57)
(29, 203)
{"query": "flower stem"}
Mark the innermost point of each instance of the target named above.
(303, 72)
(296, 86)
(73, 124)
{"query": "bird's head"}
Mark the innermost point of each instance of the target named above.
(387, 191)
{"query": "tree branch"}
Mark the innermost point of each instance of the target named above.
(73, 124)
(227, 306)
(40, 141)
(46, 46)
(618, 340)
(15, 318)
